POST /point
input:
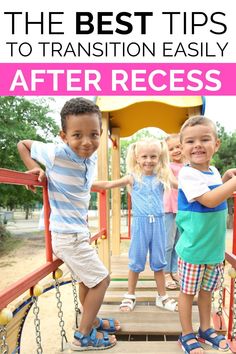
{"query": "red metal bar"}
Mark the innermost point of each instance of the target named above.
(103, 212)
(231, 258)
(234, 227)
(47, 234)
(21, 178)
(98, 235)
(231, 309)
(19, 287)
(224, 296)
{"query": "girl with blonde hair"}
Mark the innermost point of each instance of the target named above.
(148, 176)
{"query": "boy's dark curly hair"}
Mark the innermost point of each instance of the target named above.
(79, 105)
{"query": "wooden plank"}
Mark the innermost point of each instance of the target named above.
(116, 198)
(148, 320)
(123, 274)
(14, 326)
(142, 295)
(104, 246)
(139, 308)
(119, 268)
(153, 347)
(145, 285)
(141, 285)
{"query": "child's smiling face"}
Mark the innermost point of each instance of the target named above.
(199, 144)
(175, 150)
(82, 133)
(147, 158)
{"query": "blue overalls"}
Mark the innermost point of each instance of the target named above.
(148, 228)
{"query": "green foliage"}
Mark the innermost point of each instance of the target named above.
(7, 242)
(3, 232)
(21, 119)
(225, 157)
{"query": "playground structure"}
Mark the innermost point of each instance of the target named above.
(122, 117)
(118, 114)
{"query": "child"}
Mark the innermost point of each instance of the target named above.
(170, 206)
(69, 169)
(201, 219)
(149, 174)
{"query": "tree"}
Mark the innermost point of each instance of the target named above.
(224, 159)
(21, 119)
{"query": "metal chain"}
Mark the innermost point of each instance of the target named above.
(60, 314)
(220, 299)
(37, 325)
(4, 349)
(76, 303)
(234, 312)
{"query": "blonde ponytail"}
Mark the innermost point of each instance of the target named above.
(163, 168)
(131, 158)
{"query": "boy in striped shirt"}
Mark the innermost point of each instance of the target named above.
(70, 167)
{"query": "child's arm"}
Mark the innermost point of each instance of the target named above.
(121, 182)
(229, 174)
(218, 195)
(24, 147)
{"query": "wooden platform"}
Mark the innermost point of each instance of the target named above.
(150, 348)
(147, 329)
(147, 320)
(145, 347)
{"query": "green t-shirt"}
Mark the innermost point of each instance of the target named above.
(202, 229)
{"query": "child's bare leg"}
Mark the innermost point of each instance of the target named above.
(91, 301)
(83, 291)
(204, 305)
(132, 283)
(185, 312)
(91, 305)
(160, 282)
(185, 316)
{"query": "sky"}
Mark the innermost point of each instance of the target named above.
(222, 109)
(218, 108)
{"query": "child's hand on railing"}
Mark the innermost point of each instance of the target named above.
(38, 171)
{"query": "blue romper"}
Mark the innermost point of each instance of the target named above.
(148, 228)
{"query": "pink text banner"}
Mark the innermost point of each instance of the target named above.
(108, 79)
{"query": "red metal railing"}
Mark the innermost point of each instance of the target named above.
(231, 258)
(19, 287)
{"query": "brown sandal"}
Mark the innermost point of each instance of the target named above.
(170, 283)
